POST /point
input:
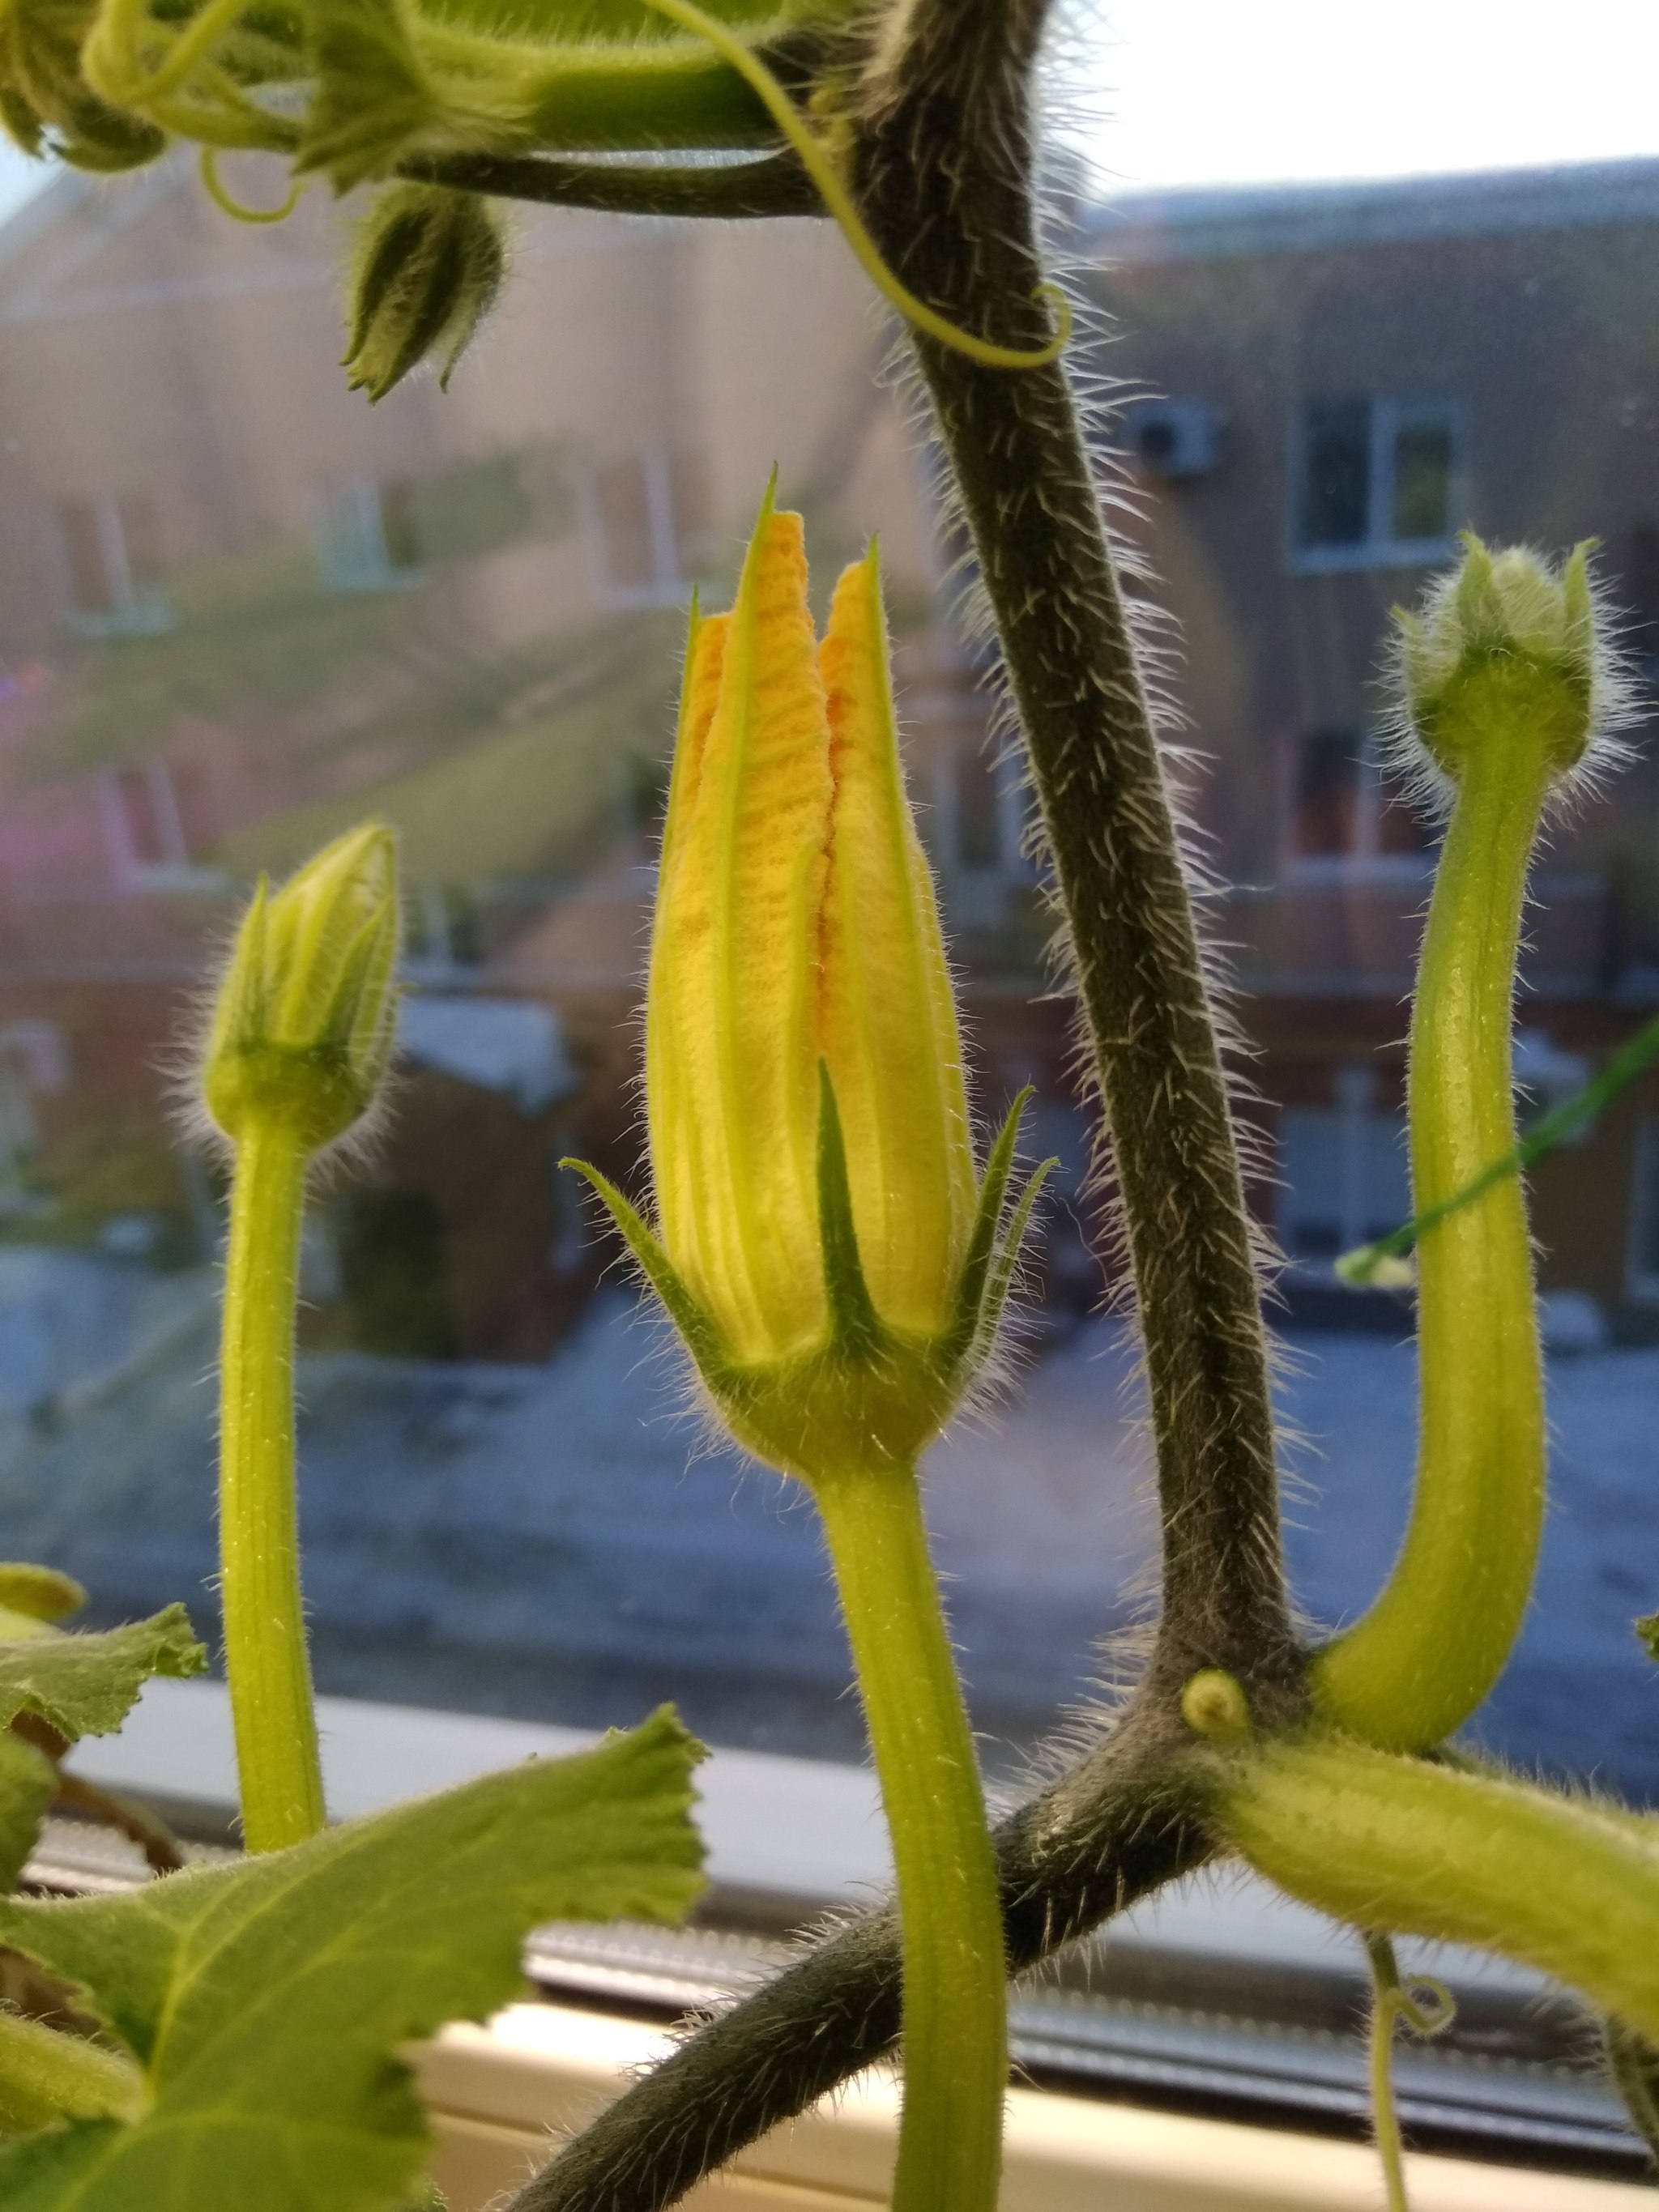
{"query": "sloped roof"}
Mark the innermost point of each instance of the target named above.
(1218, 222)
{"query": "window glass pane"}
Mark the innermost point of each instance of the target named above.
(1326, 818)
(1336, 473)
(229, 631)
(1422, 482)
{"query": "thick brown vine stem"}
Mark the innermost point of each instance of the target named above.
(772, 184)
(943, 168)
(1114, 1828)
(945, 162)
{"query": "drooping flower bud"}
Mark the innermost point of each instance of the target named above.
(306, 1016)
(428, 266)
(826, 1246)
(1509, 641)
(47, 105)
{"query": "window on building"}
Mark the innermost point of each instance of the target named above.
(1642, 1264)
(150, 811)
(1345, 1177)
(110, 555)
(371, 536)
(1374, 481)
(646, 516)
(1347, 813)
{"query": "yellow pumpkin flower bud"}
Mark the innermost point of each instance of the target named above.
(305, 1018)
(826, 1246)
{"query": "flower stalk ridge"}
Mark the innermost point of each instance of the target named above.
(834, 1262)
(300, 1042)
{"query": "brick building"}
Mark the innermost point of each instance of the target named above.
(238, 609)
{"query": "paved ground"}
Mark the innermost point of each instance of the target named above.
(550, 1541)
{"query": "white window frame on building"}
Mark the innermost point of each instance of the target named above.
(1366, 859)
(1368, 1188)
(364, 545)
(658, 580)
(33, 1059)
(168, 866)
(977, 891)
(1390, 419)
(105, 593)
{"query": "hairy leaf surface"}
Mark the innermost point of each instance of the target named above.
(27, 1782)
(84, 1684)
(267, 2002)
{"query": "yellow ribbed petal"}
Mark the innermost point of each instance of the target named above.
(731, 1083)
(887, 1016)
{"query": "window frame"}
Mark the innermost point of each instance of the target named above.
(1388, 414)
(788, 1837)
(1365, 862)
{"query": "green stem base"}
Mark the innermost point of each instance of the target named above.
(955, 2003)
(265, 1654)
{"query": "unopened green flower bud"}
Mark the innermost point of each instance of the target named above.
(47, 105)
(429, 267)
(1509, 641)
(306, 1017)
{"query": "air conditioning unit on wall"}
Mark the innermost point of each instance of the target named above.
(1171, 438)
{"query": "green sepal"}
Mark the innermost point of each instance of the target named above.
(1648, 1629)
(1001, 1278)
(987, 1271)
(982, 1238)
(855, 1329)
(701, 1338)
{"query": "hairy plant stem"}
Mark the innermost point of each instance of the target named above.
(954, 2002)
(265, 1655)
(1418, 1663)
(772, 184)
(943, 170)
(1121, 1822)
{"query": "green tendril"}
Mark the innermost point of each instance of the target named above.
(821, 167)
(1424, 2007)
(222, 197)
(1561, 1123)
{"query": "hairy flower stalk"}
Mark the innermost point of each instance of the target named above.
(832, 1259)
(301, 1039)
(1503, 682)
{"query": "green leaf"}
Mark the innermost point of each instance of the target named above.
(267, 2002)
(1648, 1630)
(28, 1783)
(85, 1683)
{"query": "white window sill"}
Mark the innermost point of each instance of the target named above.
(786, 1838)
(496, 2093)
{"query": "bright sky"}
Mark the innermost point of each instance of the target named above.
(1230, 91)
(1227, 91)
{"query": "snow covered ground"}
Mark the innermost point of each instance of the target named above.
(550, 1541)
